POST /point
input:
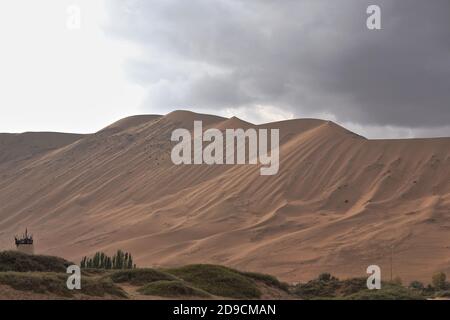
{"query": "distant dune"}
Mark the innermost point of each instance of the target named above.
(14, 147)
(338, 203)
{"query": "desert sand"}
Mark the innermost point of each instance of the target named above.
(339, 203)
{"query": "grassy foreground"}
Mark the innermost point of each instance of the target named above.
(38, 277)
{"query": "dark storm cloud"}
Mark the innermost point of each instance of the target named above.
(307, 57)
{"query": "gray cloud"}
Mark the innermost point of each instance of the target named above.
(303, 57)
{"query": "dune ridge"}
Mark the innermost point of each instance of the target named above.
(339, 203)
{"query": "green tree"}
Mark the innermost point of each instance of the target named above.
(83, 262)
(439, 281)
(125, 261)
(108, 264)
(120, 260)
(102, 260)
(89, 263)
(120, 257)
(96, 260)
(130, 262)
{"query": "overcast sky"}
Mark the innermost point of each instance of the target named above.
(262, 60)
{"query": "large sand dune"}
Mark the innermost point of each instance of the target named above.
(339, 203)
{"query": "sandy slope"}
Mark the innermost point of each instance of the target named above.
(29, 144)
(338, 203)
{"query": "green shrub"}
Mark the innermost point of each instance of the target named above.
(351, 286)
(55, 283)
(36, 282)
(94, 272)
(140, 276)
(22, 262)
(267, 279)
(166, 288)
(443, 294)
(392, 292)
(416, 285)
(329, 287)
(326, 277)
(429, 290)
(218, 280)
(439, 281)
(101, 287)
(324, 286)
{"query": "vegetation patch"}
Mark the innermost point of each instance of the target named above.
(121, 260)
(166, 288)
(329, 287)
(218, 280)
(101, 276)
(94, 272)
(55, 283)
(387, 292)
(22, 262)
(140, 276)
(325, 286)
(36, 282)
(351, 286)
(100, 288)
(267, 279)
(442, 294)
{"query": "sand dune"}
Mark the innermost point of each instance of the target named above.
(338, 204)
(26, 145)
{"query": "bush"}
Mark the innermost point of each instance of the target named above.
(36, 282)
(166, 288)
(269, 280)
(329, 287)
(391, 292)
(429, 290)
(325, 277)
(22, 262)
(325, 286)
(416, 285)
(100, 288)
(94, 272)
(353, 285)
(443, 294)
(56, 284)
(439, 281)
(218, 280)
(140, 276)
(322, 287)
